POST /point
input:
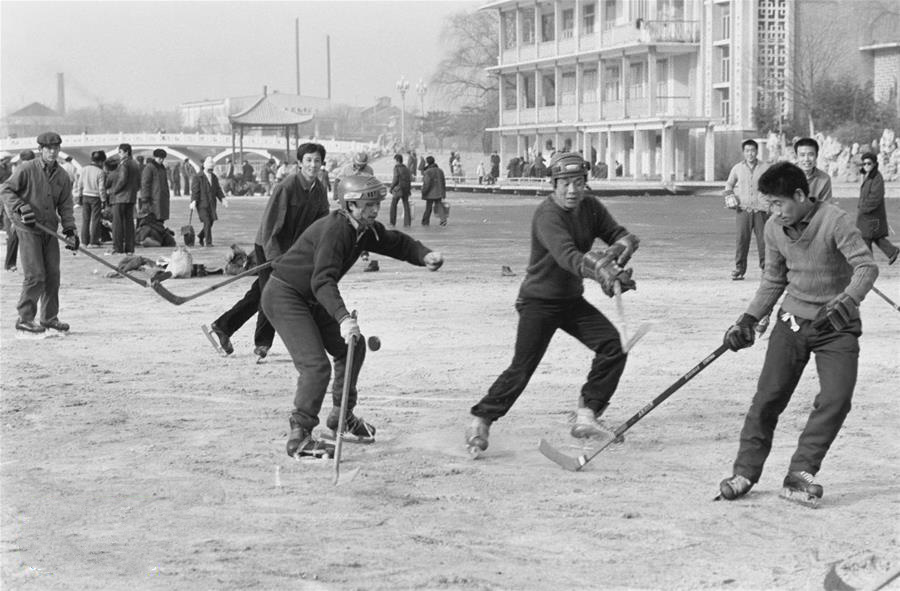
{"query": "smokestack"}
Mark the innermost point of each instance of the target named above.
(265, 90)
(297, 50)
(60, 94)
(328, 63)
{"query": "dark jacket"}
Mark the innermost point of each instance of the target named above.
(871, 217)
(49, 197)
(127, 182)
(401, 186)
(294, 205)
(434, 186)
(154, 192)
(206, 196)
(329, 248)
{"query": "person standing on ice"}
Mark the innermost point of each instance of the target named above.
(563, 231)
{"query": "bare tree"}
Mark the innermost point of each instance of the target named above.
(816, 56)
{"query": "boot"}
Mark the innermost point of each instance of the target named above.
(302, 444)
(801, 487)
(477, 436)
(356, 430)
(734, 487)
(55, 324)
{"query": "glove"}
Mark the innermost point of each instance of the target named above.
(26, 214)
(349, 328)
(193, 205)
(72, 242)
(731, 202)
(225, 202)
(434, 260)
(836, 314)
(600, 266)
(626, 245)
(741, 335)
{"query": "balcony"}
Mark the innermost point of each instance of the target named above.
(670, 32)
(676, 106)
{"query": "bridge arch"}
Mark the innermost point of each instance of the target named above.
(264, 153)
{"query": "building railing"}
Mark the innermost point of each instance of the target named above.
(670, 31)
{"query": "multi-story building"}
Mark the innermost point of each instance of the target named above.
(665, 88)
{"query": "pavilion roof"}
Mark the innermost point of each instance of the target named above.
(264, 113)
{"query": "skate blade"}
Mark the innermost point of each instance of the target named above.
(22, 335)
(212, 340)
(800, 498)
(474, 451)
(347, 438)
(320, 456)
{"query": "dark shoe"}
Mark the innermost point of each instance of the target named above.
(55, 324)
(261, 351)
(224, 339)
(737, 275)
(371, 267)
(506, 271)
(29, 327)
(801, 487)
(734, 487)
(302, 444)
(355, 429)
(893, 257)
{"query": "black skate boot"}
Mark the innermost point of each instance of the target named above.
(800, 487)
(477, 436)
(29, 329)
(301, 444)
(261, 351)
(734, 487)
(56, 325)
(356, 430)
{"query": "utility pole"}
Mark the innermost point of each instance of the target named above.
(297, 50)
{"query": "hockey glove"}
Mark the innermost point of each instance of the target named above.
(741, 335)
(26, 214)
(72, 242)
(600, 266)
(434, 260)
(627, 245)
(836, 314)
(349, 328)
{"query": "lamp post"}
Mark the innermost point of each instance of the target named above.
(402, 86)
(421, 89)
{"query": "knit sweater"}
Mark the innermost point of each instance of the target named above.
(827, 259)
(559, 239)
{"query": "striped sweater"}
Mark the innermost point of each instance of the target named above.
(829, 258)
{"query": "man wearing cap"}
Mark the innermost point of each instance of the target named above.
(563, 231)
(123, 197)
(206, 193)
(155, 188)
(358, 165)
(40, 191)
(434, 191)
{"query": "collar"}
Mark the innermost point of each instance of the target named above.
(360, 229)
(305, 183)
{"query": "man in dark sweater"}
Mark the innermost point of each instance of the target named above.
(303, 302)
(563, 230)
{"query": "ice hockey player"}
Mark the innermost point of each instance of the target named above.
(305, 305)
(817, 257)
(563, 231)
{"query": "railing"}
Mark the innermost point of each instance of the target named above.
(671, 31)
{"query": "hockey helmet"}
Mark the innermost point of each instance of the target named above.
(361, 187)
(567, 164)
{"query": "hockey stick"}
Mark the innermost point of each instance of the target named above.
(628, 343)
(885, 298)
(345, 395)
(178, 300)
(576, 464)
(62, 238)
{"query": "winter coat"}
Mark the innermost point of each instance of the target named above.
(49, 197)
(154, 192)
(401, 185)
(127, 182)
(206, 196)
(434, 186)
(871, 217)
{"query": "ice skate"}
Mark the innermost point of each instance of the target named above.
(734, 487)
(356, 430)
(477, 436)
(587, 426)
(56, 326)
(29, 329)
(301, 444)
(800, 487)
(220, 341)
(261, 351)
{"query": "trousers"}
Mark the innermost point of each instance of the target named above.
(538, 321)
(123, 227)
(837, 357)
(39, 258)
(749, 223)
(244, 309)
(90, 220)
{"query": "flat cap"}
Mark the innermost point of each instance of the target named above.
(49, 138)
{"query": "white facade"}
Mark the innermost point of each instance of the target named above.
(652, 85)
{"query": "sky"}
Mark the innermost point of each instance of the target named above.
(157, 55)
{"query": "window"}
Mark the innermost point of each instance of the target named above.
(568, 23)
(662, 78)
(509, 30)
(528, 90)
(567, 92)
(589, 86)
(509, 92)
(609, 14)
(725, 64)
(612, 84)
(725, 105)
(725, 23)
(636, 79)
(587, 22)
(548, 89)
(527, 33)
(548, 27)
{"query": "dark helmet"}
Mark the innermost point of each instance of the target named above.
(361, 187)
(567, 164)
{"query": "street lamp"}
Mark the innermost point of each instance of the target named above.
(402, 86)
(421, 89)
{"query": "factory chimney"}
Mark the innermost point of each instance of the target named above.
(60, 94)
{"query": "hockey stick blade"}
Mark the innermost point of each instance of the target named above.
(167, 295)
(84, 251)
(170, 297)
(892, 303)
(638, 335)
(576, 464)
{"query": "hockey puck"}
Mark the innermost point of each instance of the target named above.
(374, 343)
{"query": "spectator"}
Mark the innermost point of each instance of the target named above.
(187, 171)
(807, 150)
(495, 167)
(12, 239)
(412, 163)
(206, 193)
(871, 217)
(401, 188)
(434, 191)
(92, 196)
(123, 197)
(175, 178)
(358, 165)
(751, 209)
